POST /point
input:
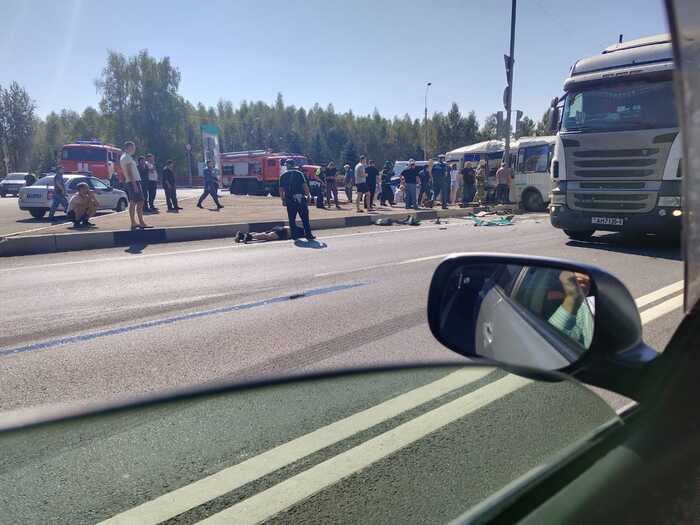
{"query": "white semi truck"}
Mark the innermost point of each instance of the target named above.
(616, 163)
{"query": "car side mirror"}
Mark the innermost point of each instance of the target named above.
(537, 315)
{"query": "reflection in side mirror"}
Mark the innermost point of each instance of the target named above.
(531, 316)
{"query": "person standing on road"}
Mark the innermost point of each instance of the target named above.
(132, 185)
(152, 181)
(169, 186)
(503, 178)
(425, 183)
(294, 192)
(410, 179)
(349, 182)
(372, 177)
(331, 184)
(468, 183)
(441, 181)
(29, 179)
(386, 193)
(481, 183)
(114, 180)
(211, 186)
(143, 177)
(316, 188)
(59, 192)
(361, 182)
(454, 182)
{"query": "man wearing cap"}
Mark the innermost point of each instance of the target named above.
(410, 179)
(294, 191)
(59, 192)
(441, 181)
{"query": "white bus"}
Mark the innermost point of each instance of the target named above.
(532, 180)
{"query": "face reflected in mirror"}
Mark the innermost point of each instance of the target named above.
(534, 316)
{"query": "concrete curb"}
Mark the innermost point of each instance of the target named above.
(63, 242)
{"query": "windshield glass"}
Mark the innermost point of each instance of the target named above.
(621, 106)
(291, 453)
(84, 154)
(534, 159)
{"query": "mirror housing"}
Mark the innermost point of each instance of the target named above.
(615, 354)
(554, 117)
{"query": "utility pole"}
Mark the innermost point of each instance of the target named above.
(509, 89)
(425, 123)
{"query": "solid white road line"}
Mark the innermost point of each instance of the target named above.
(274, 500)
(658, 294)
(664, 308)
(206, 489)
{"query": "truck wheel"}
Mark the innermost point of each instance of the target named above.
(121, 205)
(533, 201)
(37, 213)
(580, 235)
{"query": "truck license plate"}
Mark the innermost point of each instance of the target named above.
(608, 221)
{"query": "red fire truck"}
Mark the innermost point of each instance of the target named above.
(83, 156)
(257, 172)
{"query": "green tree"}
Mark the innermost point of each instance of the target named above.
(16, 125)
(349, 153)
(526, 128)
(542, 128)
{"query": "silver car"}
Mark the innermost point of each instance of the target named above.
(36, 199)
(11, 184)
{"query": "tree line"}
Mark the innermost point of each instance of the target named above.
(140, 101)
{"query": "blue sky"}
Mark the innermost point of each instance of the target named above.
(356, 54)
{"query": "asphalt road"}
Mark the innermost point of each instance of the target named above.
(13, 220)
(419, 446)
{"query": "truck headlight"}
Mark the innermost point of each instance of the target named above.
(557, 198)
(670, 201)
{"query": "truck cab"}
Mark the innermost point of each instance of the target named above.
(616, 162)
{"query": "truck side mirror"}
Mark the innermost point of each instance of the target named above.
(553, 123)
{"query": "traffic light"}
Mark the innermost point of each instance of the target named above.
(500, 125)
(518, 123)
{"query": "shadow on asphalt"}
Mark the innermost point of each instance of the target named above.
(649, 245)
(137, 248)
(316, 245)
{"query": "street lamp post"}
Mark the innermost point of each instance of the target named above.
(188, 147)
(425, 123)
(509, 101)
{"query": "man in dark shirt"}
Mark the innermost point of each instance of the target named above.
(441, 181)
(169, 186)
(425, 191)
(294, 191)
(211, 186)
(387, 194)
(372, 174)
(410, 178)
(331, 184)
(143, 175)
(468, 183)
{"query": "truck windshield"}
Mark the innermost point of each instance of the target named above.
(84, 154)
(621, 106)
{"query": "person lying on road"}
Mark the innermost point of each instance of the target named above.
(278, 233)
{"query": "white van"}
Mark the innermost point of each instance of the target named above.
(532, 180)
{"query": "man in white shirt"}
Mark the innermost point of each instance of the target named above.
(152, 182)
(361, 182)
(132, 186)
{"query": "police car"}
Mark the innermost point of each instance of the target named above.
(36, 199)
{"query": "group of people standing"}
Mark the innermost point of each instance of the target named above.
(443, 184)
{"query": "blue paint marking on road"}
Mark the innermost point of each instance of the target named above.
(170, 320)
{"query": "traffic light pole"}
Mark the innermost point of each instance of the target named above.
(509, 104)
